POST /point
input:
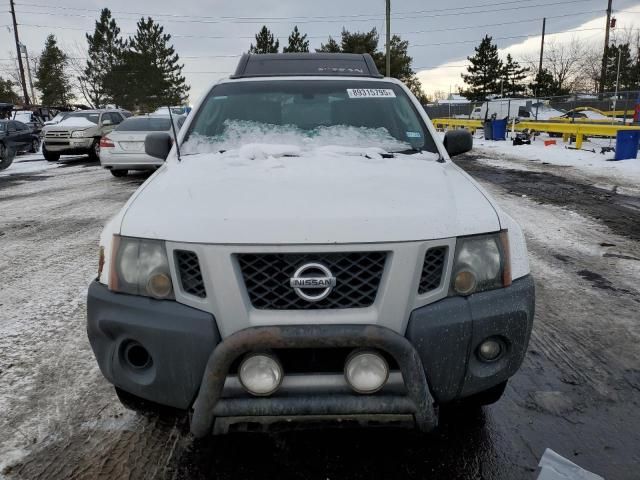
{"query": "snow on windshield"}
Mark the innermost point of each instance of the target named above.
(78, 122)
(239, 133)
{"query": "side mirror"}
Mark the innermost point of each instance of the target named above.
(158, 145)
(106, 123)
(457, 142)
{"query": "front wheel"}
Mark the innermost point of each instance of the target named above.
(94, 153)
(50, 156)
(119, 173)
(35, 146)
(6, 156)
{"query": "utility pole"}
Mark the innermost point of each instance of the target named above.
(606, 49)
(23, 48)
(15, 33)
(544, 27)
(388, 66)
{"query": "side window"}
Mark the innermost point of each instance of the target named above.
(116, 118)
(12, 126)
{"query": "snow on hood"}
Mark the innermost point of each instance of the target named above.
(251, 196)
(76, 122)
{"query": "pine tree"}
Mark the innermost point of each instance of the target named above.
(149, 74)
(512, 77)
(297, 42)
(628, 79)
(543, 84)
(484, 72)
(265, 42)
(360, 42)
(105, 51)
(330, 47)
(51, 76)
(6, 92)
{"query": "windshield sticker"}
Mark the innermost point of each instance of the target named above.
(370, 93)
(413, 134)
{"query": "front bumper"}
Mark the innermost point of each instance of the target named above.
(436, 356)
(69, 146)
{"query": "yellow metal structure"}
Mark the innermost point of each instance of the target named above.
(567, 130)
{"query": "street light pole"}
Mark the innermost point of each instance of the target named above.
(388, 65)
(603, 73)
(15, 34)
(23, 48)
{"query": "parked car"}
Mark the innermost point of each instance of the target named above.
(15, 137)
(587, 115)
(60, 116)
(29, 118)
(123, 149)
(519, 108)
(312, 252)
(174, 110)
(79, 133)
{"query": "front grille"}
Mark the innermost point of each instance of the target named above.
(432, 268)
(266, 277)
(54, 134)
(190, 274)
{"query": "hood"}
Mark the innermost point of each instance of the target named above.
(315, 198)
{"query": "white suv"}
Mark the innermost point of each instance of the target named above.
(309, 251)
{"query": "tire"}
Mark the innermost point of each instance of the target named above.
(94, 153)
(35, 146)
(119, 173)
(50, 156)
(6, 156)
(487, 397)
(147, 408)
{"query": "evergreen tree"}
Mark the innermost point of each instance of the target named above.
(330, 47)
(6, 92)
(628, 74)
(265, 42)
(543, 84)
(149, 74)
(484, 72)
(360, 42)
(512, 77)
(105, 51)
(297, 42)
(51, 76)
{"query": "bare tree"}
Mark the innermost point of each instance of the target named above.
(77, 63)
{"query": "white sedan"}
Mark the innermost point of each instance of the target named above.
(123, 148)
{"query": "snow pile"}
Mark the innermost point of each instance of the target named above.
(240, 133)
(594, 166)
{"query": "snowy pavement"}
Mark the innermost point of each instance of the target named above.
(577, 392)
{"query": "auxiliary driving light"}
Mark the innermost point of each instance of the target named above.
(260, 374)
(490, 349)
(366, 371)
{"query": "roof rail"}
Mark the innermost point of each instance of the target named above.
(306, 64)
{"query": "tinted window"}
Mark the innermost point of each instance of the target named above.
(144, 124)
(356, 113)
(115, 118)
(3, 126)
(20, 126)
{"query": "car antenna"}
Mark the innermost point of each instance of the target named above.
(175, 134)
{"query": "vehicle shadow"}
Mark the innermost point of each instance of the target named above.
(462, 447)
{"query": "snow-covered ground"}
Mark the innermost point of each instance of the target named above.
(595, 168)
(30, 163)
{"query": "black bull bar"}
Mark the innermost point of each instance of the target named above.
(417, 402)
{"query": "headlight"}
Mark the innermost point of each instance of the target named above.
(140, 267)
(481, 263)
(77, 134)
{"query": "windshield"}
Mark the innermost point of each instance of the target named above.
(308, 113)
(92, 117)
(59, 117)
(145, 124)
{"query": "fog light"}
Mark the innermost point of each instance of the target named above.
(366, 372)
(490, 350)
(260, 374)
(464, 283)
(159, 285)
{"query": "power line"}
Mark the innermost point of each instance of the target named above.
(370, 18)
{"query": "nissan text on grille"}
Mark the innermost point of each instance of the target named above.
(308, 250)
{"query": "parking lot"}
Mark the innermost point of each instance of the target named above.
(577, 393)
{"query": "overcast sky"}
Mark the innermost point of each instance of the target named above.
(209, 36)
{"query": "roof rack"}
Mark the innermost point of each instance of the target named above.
(306, 64)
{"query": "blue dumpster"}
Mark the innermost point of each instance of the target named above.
(499, 128)
(627, 144)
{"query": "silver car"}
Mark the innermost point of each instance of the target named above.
(123, 149)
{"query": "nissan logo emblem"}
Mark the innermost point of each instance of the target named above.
(313, 277)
